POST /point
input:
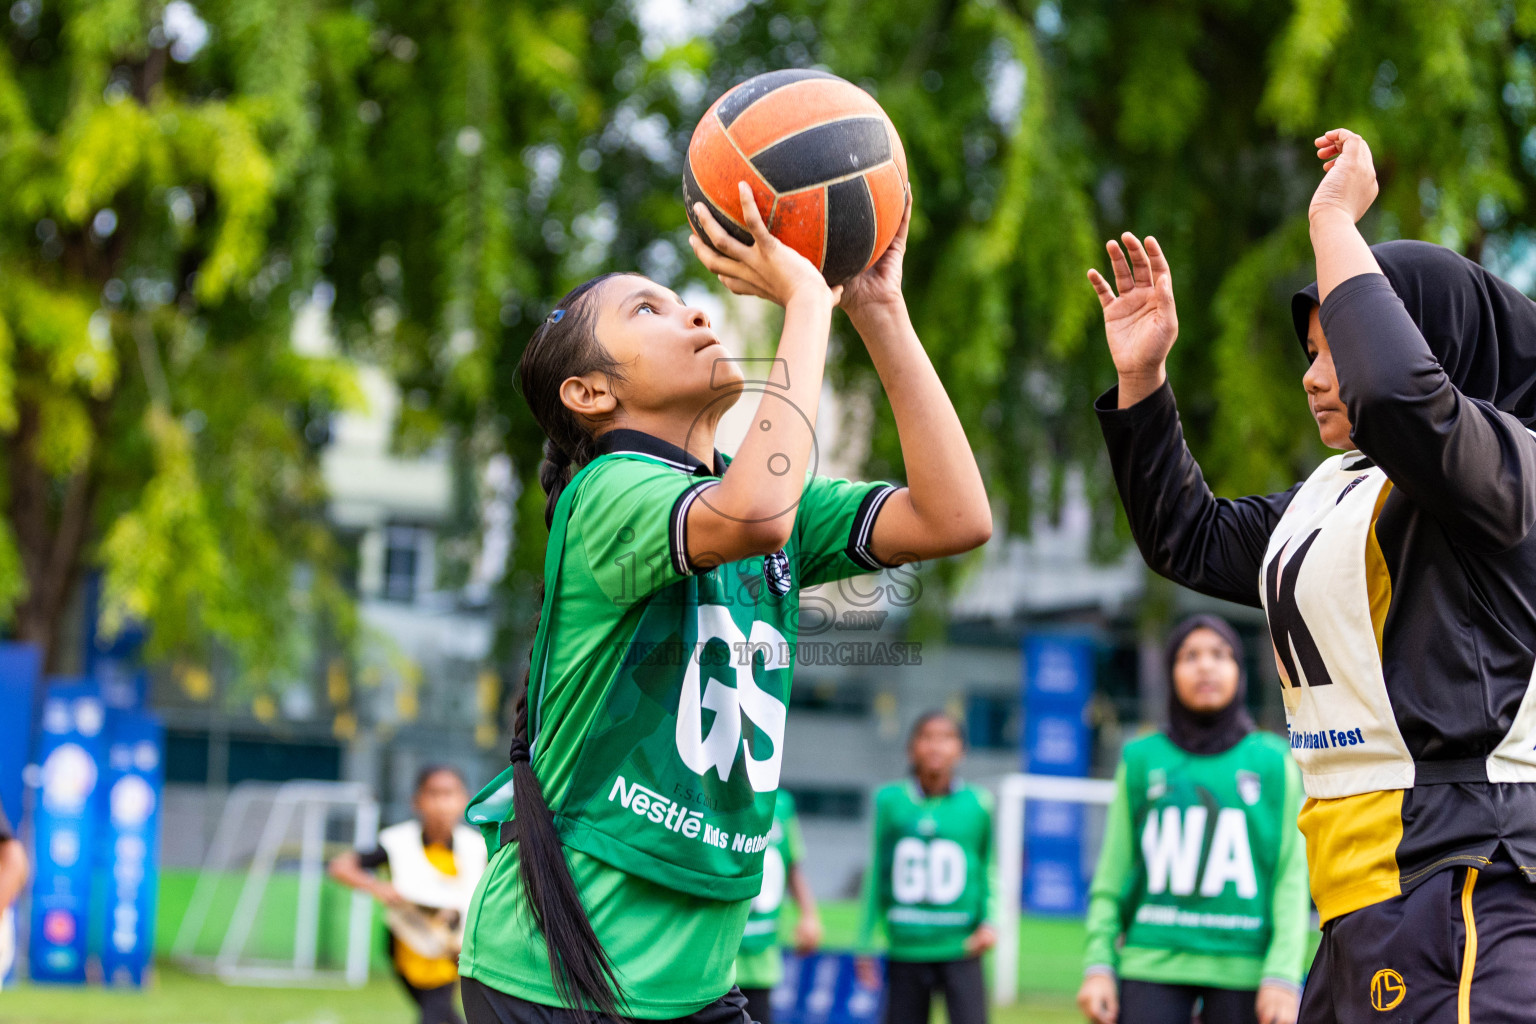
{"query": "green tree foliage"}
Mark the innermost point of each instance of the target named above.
(488, 155)
(164, 189)
(452, 169)
(1197, 119)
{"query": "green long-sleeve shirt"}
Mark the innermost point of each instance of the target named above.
(931, 879)
(1153, 892)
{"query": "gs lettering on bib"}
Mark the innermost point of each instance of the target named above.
(1325, 590)
(659, 689)
(696, 717)
(717, 748)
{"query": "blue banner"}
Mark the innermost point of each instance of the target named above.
(823, 988)
(1054, 880)
(69, 752)
(1056, 742)
(1058, 683)
(21, 667)
(123, 684)
(1058, 670)
(132, 786)
(20, 671)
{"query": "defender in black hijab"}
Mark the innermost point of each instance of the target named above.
(1480, 329)
(1399, 583)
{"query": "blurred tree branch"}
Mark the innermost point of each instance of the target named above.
(154, 184)
(526, 146)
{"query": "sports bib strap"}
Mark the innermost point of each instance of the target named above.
(1439, 773)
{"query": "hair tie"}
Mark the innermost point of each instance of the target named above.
(519, 751)
(554, 316)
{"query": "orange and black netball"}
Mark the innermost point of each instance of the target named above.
(823, 161)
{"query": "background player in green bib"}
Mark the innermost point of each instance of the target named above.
(929, 886)
(1203, 873)
(628, 835)
(760, 964)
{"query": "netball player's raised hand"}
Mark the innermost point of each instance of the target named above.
(1140, 322)
(1349, 184)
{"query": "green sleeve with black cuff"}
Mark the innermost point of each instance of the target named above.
(1106, 896)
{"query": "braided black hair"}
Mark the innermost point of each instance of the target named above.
(565, 345)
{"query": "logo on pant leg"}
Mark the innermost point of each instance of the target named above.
(1387, 989)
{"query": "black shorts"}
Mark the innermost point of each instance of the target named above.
(486, 1005)
(909, 989)
(436, 1005)
(1153, 1002)
(1460, 947)
(759, 1004)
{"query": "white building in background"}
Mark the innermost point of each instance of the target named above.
(419, 689)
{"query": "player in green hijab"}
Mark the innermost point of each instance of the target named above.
(1201, 889)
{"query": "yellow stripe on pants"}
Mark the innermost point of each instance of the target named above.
(1469, 956)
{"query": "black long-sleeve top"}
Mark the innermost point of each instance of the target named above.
(1399, 582)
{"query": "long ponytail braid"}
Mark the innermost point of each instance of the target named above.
(579, 965)
(564, 345)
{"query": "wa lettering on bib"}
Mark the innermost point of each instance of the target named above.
(1209, 830)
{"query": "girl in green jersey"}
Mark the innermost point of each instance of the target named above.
(760, 964)
(929, 886)
(628, 835)
(1201, 890)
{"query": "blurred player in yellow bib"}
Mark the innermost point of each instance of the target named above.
(434, 863)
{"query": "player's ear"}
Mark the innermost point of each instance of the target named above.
(589, 396)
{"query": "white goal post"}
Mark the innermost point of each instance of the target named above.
(268, 829)
(1013, 792)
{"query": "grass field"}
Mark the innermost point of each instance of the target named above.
(1049, 962)
(180, 998)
